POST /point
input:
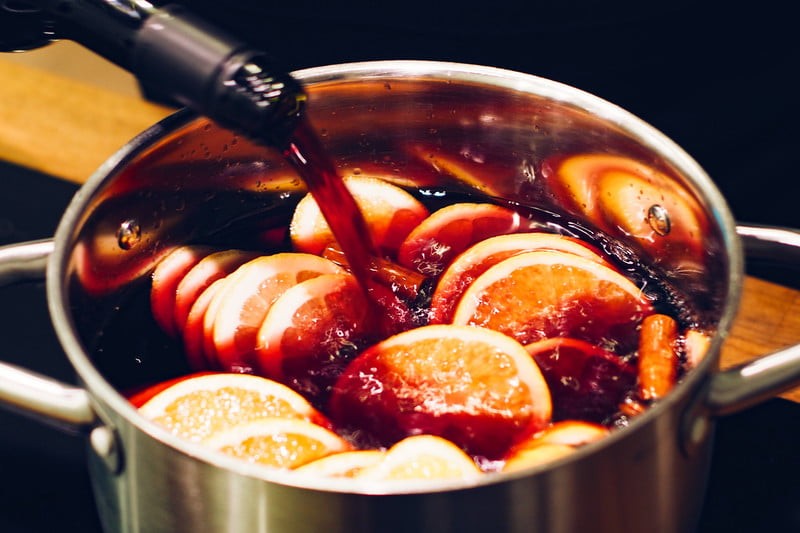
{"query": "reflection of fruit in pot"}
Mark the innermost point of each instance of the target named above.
(631, 200)
(389, 211)
(479, 258)
(437, 240)
(200, 406)
(475, 387)
(541, 294)
(277, 442)
(312, 331)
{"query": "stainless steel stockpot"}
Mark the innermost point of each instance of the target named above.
(185, 178)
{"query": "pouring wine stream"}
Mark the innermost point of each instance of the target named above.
(354, 248)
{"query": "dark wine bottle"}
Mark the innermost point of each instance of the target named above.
(175, 56)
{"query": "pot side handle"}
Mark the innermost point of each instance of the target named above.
(740, 387)
(26, 391)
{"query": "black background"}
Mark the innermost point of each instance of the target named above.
(719, 80)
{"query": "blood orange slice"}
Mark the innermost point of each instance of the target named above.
(209, 269)
(194, 337)
(240, 308)
(312, 331)
(203, 405)
(479, 258)
(540, 294)
(473, 386)
(433, 244)
(166, 277)
(389, 211)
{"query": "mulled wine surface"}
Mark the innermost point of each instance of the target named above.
(134, 358)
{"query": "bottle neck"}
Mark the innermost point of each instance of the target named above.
(175, 56)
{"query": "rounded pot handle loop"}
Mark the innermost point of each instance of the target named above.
(26, 391)
(740, 387)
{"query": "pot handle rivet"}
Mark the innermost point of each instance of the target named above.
(103, 441)
(695, 426)
(658, 219)
(129, 234)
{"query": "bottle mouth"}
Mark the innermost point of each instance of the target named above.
(18, 6)
(21, 26)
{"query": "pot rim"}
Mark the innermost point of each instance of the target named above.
(647, 135)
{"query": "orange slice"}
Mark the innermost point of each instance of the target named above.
(475, 387)
(166, 277)
(389, 211)
(571, 433)
(194, 338)
(423, 457)
(240, 307)
(530, 457)
(277, 442)
(204, 405)
(342, 464)
(479, 258)
(311, 331)
(552, 443)
(433, 244)
(540, 294)
(209, 269)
